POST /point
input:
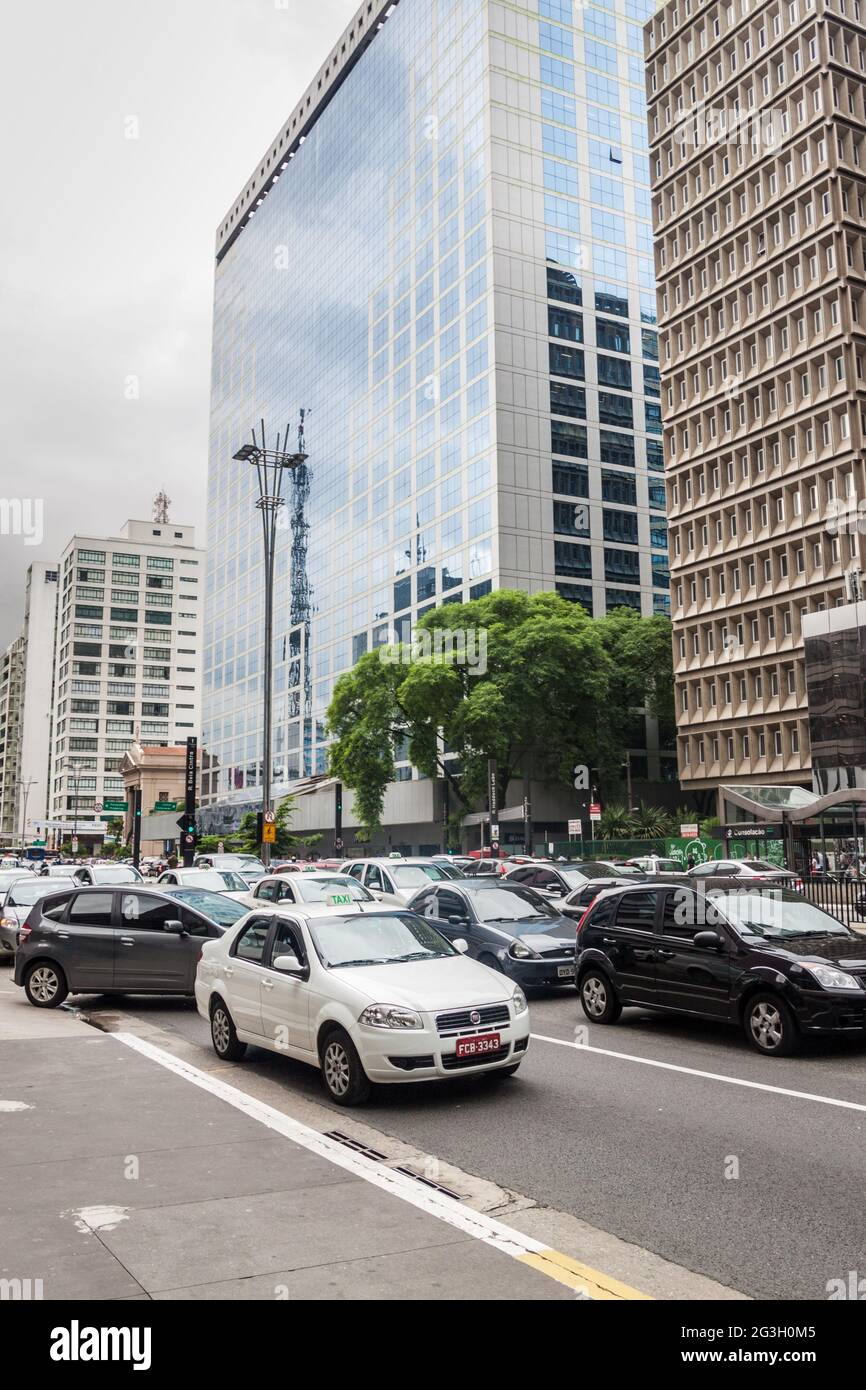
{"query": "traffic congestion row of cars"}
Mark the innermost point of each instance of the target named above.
(393, 970)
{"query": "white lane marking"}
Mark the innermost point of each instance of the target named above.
(10, 1107)
(448, 1209)
(705, 1075)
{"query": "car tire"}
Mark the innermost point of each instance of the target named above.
(598, 998)
(223, 1034)
(45, 985)
(342, 1072)
(770, 1026)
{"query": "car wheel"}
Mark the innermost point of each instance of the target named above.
(45, 985)
(342, 1071)
(598, 998)
(770, 1026)
(226, 1043)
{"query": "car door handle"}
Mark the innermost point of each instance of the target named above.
(608, 941)
(229, 970)
(127, 940)
(64, 935)
(267, 984)
(664, 955)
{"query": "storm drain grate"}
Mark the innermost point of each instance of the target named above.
(428, 1182)
(359, 1147)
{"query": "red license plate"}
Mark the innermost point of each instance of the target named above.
(477, 1046)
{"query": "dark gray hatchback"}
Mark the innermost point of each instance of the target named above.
(117, 940)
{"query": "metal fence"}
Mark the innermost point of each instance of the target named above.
(843, 898)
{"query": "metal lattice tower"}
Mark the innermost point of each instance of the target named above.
(300, 583)
(161, 504)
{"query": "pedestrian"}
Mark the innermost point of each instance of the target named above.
(690, 862)
(813, 867)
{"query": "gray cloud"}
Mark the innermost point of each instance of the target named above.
(106, 266)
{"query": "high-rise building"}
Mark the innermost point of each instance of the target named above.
(445, 256)
(11, 701)
(128, 664)
(757, 125)
(40, 631)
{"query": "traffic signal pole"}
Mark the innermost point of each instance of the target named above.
(136, 826)
(189, 837)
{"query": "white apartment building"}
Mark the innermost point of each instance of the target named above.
(128, 665)
(40, 629)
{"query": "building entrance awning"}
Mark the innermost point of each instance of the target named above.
(777, 805)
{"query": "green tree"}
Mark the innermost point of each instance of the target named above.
(245, 840)
(549, 697)
(651, 822)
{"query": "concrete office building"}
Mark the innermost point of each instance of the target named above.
(128, 666)
(445, 255)
(757, 136)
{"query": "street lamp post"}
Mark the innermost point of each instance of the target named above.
(31, 782)
(73, 768)
(270, 466)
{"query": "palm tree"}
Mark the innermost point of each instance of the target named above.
(650, 822)
(615, 823)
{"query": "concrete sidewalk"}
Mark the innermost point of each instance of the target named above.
(122, 1180)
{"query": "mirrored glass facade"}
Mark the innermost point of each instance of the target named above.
(452, 274)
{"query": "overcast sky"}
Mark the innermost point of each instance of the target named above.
(106, 242)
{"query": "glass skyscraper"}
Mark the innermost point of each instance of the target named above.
(445, 257)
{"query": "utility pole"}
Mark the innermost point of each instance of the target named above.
(270, 466)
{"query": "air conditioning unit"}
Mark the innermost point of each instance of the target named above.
(853, 584)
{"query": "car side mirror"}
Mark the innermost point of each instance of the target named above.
(460, 945)
(288, 964)
(175, 928)
(709, 940)
(455, 921)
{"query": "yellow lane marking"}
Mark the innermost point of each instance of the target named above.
(575, 1275)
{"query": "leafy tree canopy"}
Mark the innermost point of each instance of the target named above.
(553, 688)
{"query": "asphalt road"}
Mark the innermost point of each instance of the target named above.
(760, 1190)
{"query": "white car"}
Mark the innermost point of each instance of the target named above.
(396, 878)
(225, 881)
(324, 887)
(366, 997)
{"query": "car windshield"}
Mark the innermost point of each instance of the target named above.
(322, 889)
(575, 878)
(26, 893)
(115, 874)
(220, 909)
(413, 876)
(213, 879)
(374, 940)
(779, 915)
(592, 869)
(496, 904)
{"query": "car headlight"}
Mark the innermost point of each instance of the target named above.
(521, 952)
(518, 999)
(831, 978)
(389, 1016)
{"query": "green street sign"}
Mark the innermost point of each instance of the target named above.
(108, 805)
(165, 806)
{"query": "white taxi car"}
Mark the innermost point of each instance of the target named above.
(366, 997)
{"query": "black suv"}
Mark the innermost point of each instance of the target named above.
(762, 958)
(129, 940)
